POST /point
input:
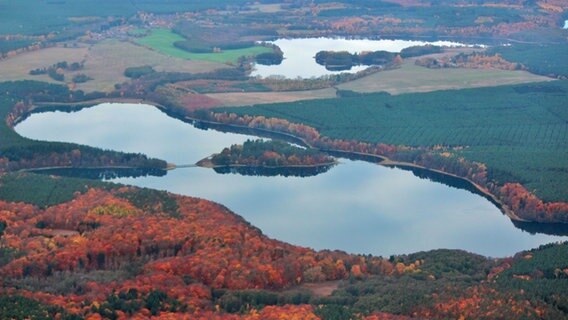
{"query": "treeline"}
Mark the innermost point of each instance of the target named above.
(145, 81)
(269, 58)
(11, 45)
(522, 202)
(201, 39)
(416, 51)
(270, 153)
(475, 60)
(56, 71)
(20, 307)
(544, 59)
(18, 153)
(44, 191)
(344, 60)
(137, 72)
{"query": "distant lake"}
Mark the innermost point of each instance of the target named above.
(299, 54)
(356, 206)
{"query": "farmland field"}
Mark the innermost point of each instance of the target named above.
(412, 78)
(105, 63)
(162, 41)
(252, 98)
(18, 68)
(520, 131)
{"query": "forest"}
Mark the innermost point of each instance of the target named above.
(538, 58)
(81, 248)
(272, 153)
(345, 61)
(17, 153)
(112, 251)
(498, 126)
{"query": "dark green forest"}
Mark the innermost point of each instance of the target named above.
(519, 131)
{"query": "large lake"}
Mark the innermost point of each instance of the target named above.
(357, 206)
(299, 54)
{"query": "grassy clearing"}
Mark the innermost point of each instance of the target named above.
(105, 63)
(162, 40)
(520, 132)
(252, 98)
(18, 68)
(412, 78)
(267, 8)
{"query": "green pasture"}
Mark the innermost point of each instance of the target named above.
(162, 40)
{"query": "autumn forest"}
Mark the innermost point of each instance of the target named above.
(467, 99)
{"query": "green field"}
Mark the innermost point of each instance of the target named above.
(162, 40)
(520, 131)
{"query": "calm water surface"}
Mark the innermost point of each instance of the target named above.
(358, 207)
(299, 54)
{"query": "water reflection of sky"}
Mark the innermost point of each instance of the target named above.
(299, 54)
(357, 206)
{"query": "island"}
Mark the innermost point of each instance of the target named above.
(343, 60)
(269, 158)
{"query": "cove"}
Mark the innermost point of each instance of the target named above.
(299, 61)
(357, 206)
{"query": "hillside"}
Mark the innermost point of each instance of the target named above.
(114, 252)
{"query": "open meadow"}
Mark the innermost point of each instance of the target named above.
(162, 41)
(18, 67)
(412, 78)
(104, 62)
(252, 98)
(107, 61)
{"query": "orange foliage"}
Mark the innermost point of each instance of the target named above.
(287, 312)
(480, 302)
(529, 206)
(206, 243)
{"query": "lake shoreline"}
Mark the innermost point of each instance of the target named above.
(207, 163)
(382, 160)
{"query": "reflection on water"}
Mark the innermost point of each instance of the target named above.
(103, 174)
(356, 206)
(299, 54)
(303, 172)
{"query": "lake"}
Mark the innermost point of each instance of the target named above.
(358, 207)
(299, 54)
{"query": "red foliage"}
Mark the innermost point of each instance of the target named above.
(207, 244)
